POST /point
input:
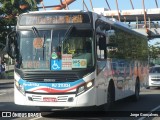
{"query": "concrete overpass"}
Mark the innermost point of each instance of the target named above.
(145, 21)
(136, 19)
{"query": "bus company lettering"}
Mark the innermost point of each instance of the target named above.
(31, 84)
(61, 85)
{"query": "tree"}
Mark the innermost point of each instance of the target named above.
(9, 9)
(154, 51)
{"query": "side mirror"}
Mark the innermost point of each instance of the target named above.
(102, 43)
(11, 44)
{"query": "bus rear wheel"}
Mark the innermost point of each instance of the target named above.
(136, 95)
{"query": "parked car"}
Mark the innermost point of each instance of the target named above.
(154, 76)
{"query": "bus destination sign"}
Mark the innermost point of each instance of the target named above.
(48, 19)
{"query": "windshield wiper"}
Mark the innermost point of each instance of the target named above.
(35, 31)
(69, 30)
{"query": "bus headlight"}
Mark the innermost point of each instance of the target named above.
(84, 87)
(89, 84)
(81, 89)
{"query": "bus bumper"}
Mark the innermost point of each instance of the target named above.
(87, 98)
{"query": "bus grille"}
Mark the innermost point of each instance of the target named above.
(40, 98)
(155, 79)
(50, 77)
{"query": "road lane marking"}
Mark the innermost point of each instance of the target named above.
(156, 108)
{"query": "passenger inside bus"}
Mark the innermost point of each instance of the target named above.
(81, 48)
(84, 52)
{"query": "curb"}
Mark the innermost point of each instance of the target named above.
(6, 81)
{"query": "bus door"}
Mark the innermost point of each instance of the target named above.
(101, 64)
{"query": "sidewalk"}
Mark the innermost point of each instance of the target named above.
(9, 79)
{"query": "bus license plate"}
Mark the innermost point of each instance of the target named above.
(49, 99)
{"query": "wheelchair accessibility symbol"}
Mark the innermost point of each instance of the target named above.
(56, 65)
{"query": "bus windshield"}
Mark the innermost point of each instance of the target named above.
(54, 50)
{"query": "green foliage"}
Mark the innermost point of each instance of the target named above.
(9, 9)
(154, 51)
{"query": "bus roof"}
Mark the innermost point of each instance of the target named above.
(57, 11)
(120, 25)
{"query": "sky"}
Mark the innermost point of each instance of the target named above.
(122, 4)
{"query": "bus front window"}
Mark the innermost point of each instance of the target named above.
(41, 50)
(75, 49)
(35, 50)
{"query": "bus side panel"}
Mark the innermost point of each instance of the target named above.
(104, 74)
(87, 99)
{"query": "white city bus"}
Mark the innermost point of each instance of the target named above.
(74, 59)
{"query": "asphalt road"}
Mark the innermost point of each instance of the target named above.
(148, 105)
